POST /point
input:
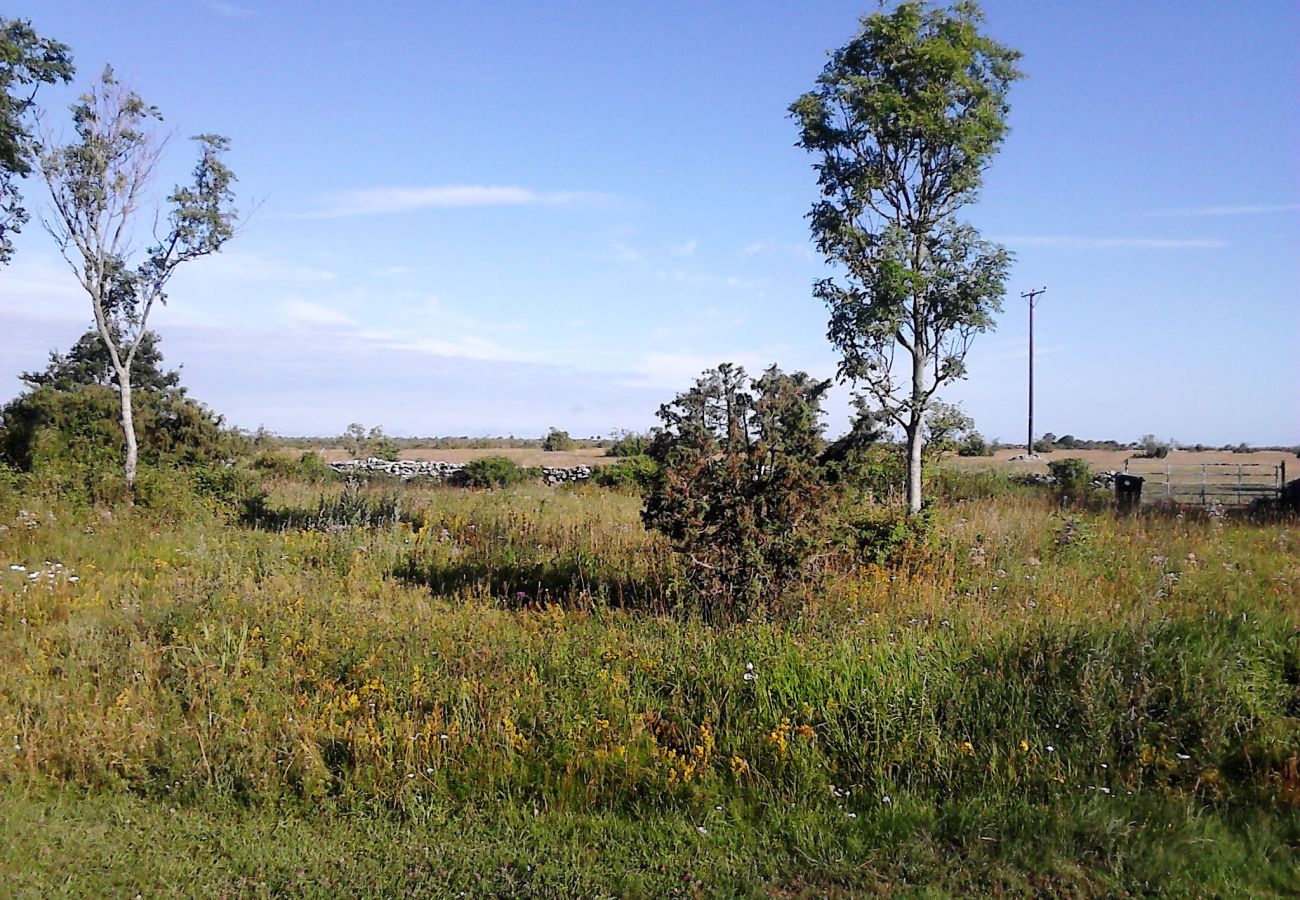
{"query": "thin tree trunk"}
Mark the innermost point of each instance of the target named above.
(128, 426)
(914, 431)
(914, 467)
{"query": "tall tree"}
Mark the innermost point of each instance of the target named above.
(99, 184)
(904, 120)
(27, 61)
(88, 362)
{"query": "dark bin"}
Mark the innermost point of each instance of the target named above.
(1128, 491)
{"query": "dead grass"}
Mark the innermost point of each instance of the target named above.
(1113, 460)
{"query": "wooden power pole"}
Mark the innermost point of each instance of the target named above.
(1032, 298)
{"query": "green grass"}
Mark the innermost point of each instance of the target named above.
(499, 693)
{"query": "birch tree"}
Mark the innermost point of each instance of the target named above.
(99, 186)
(903, 121)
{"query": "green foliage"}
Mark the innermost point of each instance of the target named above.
(494, 472)
(739, 489)
(946, 427)
(629, 443)
(27, 61)
(310, 691)
(974, 444)
(309, 466)
(1073, 476)
(903, 122)
(1152, 448)
(557, 441)
(72, 438)
(88, 362)
(361, 443)
(880, 535)
(845, 458)
(630, 473)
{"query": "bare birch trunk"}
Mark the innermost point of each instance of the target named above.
(128, 427)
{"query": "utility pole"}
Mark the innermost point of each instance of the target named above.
(1032, 297)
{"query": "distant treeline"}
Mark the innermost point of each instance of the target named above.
(461, 442)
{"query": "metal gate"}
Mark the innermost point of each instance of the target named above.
(1228, 484)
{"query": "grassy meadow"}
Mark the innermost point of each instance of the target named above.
(425, 691)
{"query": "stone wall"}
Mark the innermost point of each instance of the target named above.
(437, 470)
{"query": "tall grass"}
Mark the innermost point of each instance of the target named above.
(1026, 665)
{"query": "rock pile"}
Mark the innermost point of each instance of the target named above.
(562, 475)
(405, 469)
(1099, 479)
(437, 470)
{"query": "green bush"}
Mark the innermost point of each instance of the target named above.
(974, 444)
(881, 535)
(493, 471)
(629, 473)
(1073, 476)
(629, 443)
(557, 440)
(739, 493)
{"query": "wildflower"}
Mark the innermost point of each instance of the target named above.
(1024, 746)
(967, 747)
(17, 568)
(1051, 749)
(701, 829)
(853, 815)
(886, 800)
(1182, 756)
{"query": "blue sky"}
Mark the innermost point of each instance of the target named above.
(490, 218)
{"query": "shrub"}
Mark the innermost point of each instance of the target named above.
(71, 441)
(1073, 476)
(493, 471)
(629, 473)
(1152, 448)
(557, 441)
(974, 445)
(877, 534)
(739, 490)
(629, 443)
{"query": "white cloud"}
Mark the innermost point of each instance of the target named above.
(308, 313)
(1068, 242)
(228, 10)
(1246, 209)
(376, 201)
(242, 266)
(686, 248)
(778, 248)
(391, 271)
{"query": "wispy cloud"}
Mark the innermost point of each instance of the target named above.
(228, 10)
(686, 248)
(391, 271)
(379, 201)
(623, 253)
(778, 248)
(1245, 209)
(1069, 242)
(255, 267)
(308, 313)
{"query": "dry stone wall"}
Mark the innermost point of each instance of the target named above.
(440, 471)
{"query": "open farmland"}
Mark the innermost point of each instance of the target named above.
(1113, 460)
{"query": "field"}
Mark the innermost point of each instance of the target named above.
(1113, 460)
(498, 693)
